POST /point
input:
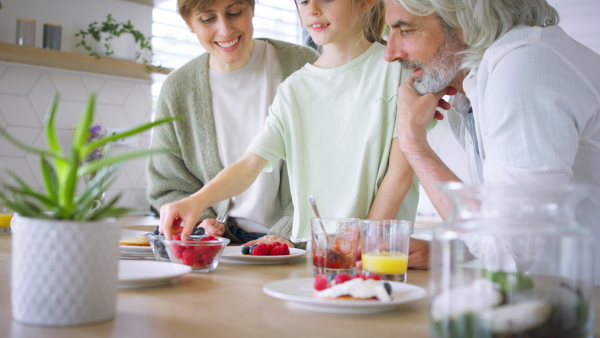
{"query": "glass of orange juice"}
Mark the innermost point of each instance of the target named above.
(384, 247)
(5, 218)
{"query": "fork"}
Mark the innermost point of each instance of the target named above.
(222, 217)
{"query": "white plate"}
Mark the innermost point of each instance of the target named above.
(233, 254)
(135, 249)
(298, 292)
(136, 274)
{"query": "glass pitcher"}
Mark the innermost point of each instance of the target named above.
(512, 262)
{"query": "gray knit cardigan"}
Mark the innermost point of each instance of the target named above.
(176, 175)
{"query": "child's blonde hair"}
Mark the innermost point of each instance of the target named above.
(374, 23)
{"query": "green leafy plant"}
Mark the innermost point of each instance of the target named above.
(63, 170)
(115, 29)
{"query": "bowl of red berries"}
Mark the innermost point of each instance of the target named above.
(201, 253)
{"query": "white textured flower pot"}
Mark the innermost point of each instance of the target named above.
(123, 46)
(63, 272)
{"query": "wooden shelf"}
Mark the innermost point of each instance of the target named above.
(80, 62)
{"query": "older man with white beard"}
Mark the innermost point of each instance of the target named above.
(525, 100)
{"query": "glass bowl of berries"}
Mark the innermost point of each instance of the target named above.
(158, 247)
(201, 253)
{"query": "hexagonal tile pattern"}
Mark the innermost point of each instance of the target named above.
(114, 92)
(68, 114)
(27, 136)
(19, 80)
(93, 83)
(138, 107)
(69, 86)
(112, 117)
(25, 96)
(18, 166)
(18, 111)
(41, 95)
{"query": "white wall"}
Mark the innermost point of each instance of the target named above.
(26, 91)
(73, 15)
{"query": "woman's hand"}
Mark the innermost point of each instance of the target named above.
(186, 210)
(212, 227)
(270, 239)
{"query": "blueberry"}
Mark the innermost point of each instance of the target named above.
(331, 277)
(245, 250)
(252, 248)
(155, 232)
(198, 231)
(162, 252)
(388, 288)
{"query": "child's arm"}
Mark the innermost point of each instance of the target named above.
(230, 182)
(394, 187)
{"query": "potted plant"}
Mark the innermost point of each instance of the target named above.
(116, 39)
(65, 242)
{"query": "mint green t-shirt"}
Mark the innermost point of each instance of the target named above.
(334, 128)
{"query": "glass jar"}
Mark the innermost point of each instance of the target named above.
(512, 262)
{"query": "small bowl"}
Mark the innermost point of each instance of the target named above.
(158, 248)
(201, 255)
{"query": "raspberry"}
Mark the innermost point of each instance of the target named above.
(177, 250)
(261, 250)
(321, 283)
(276, 243)
(208, 238)
(285, 249)
(341, 278)
(375, 277)
(270, 247)
(189, 256)
(276, 251)
(177, 238)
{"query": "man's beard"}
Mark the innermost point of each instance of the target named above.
(442, 68)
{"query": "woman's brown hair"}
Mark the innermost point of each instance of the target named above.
(185, 7)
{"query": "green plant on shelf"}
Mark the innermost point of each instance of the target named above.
(115, 29)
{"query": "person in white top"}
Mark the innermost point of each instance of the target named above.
(525, 96)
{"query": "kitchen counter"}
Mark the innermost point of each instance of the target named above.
(228, 302)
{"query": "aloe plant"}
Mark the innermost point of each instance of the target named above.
(63, 170)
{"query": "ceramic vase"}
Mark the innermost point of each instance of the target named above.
(64, 272)
(119, 47)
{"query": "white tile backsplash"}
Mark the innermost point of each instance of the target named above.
(25, 95)
(26, 136)
(18, 111)
(18, 80)
(114, 92)
(41, 95)
(70, 86)
(93, 84)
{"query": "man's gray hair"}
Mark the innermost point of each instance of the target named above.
(484, 21)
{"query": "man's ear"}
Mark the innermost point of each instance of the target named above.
(459, 33)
